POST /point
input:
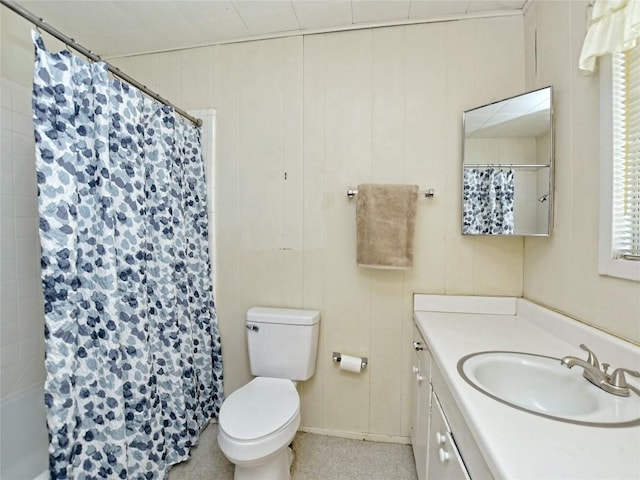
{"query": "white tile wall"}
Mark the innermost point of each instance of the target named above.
(21, 306)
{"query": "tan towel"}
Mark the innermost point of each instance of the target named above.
(385, 220)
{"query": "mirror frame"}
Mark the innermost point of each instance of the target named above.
(551, 187)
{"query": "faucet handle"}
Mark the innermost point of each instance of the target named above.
(591, 359)
(617, 377)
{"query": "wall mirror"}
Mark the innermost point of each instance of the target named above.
(507, 166)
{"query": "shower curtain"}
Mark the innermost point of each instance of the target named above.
(488, 201)
(133, 355)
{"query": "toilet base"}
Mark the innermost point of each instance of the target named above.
(278, 467)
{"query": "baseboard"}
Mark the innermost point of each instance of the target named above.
(370, 437)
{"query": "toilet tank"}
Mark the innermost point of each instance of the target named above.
(283, 342)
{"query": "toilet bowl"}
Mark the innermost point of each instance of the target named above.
(256, 425)
(258, 421)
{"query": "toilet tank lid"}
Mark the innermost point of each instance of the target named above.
(285, 316)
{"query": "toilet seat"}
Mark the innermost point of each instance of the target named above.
(258, 419)
(259, 409)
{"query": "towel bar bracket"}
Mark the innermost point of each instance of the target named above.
(429, 193)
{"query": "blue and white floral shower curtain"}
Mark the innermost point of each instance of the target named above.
(133, 360)
(488, 201)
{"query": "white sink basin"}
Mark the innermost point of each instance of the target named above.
(542, 386)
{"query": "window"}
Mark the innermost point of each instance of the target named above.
(620, 166)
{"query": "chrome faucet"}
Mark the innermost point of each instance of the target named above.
(615, 383)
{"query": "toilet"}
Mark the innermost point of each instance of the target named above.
(258, 421)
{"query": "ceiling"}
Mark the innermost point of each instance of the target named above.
(125, 27)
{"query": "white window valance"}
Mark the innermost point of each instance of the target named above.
(614, 27)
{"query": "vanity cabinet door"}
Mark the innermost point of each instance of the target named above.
(415, 400)
(421, 405)
(445, 462)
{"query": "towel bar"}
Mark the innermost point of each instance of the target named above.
(352, 192)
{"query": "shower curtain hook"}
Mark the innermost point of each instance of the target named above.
(70, 45)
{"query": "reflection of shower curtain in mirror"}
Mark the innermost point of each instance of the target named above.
(488, 201)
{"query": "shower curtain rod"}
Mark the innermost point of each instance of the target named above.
(504, 165)
(70, 42)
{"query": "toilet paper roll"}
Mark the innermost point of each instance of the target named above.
(350, 364)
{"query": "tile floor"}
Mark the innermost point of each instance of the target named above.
(317, 457)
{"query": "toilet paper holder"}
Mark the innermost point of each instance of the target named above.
(337, 356)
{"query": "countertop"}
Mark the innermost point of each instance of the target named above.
(517, 444)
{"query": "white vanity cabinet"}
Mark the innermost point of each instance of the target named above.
(495, 440)
(420, 403)
(434, 419)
